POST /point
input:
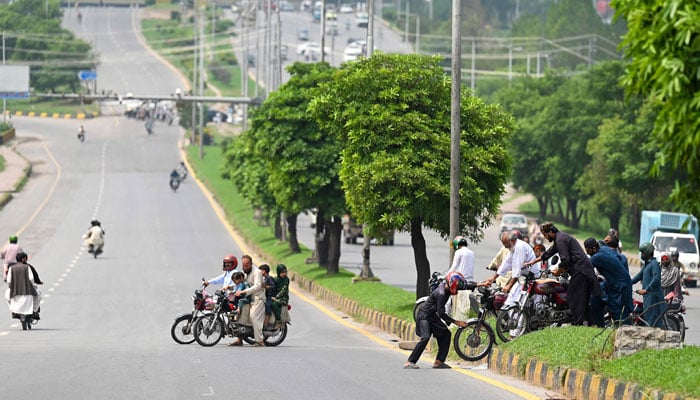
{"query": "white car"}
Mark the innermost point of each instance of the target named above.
(311, 49)
(352, 51)
(345, 9)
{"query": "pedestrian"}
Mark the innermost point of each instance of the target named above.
(670, 277)
(583, 282)
(650, 276)
(9, 255)
(618, 284)
(431, 322)
(463, 261)
(256, 291)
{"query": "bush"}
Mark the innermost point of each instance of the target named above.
(5, 126)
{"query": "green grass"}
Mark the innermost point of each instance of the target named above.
(2, 163)
(61, 106)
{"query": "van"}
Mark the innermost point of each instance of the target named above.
(687, 247)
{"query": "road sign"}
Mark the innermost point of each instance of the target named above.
(87, 75)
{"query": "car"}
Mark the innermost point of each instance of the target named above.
(345, 9)
(303, 34)
(511, 222)
(362, 19)
(352, 51)
(284, 50)
(331, 16)
(311, 50)
(317, 15)
(286, 6)
(352, 230)
(213, 115)
(332, 28)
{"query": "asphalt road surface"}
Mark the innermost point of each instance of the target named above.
(104, 332)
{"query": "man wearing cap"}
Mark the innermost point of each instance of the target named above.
(9, 255)
(583, 283)
(618, 284)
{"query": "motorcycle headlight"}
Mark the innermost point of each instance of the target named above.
(693, 265)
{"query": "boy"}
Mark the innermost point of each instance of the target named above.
(282, 298)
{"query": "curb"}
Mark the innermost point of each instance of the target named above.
(43, 114)
(571, 382)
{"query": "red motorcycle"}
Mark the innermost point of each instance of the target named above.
(542, 303)
(182, 330)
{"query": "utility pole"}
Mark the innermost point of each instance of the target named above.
(201, 84)
(194, 77)
(455, 128)
(323, 31)
(370, 28)
(244, 64)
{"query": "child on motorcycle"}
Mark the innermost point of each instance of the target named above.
(239, 283)
(281, 299)
(270, 291)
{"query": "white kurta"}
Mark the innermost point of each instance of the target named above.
(23, 304)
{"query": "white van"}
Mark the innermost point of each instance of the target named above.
(687, 247)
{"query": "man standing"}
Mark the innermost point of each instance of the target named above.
(9, 255)
(650, 276)
(256, 291)
(583, 282)
(618, 284)
(463, 261)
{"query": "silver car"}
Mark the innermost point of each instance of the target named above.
(511, 222)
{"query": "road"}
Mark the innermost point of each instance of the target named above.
(104, 332)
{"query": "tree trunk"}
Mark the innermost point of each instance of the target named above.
(366, 268)
(278, 227)
(572, 211)
(334, 229)
(323, 228)
(542, 205)
(420, 256)
(292, 230)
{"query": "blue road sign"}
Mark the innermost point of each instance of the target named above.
(87, 75)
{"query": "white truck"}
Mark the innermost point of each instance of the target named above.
(670, 232)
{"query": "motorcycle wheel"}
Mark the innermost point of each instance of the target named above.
(182, 329)
(174, 184)
(416, 309)
(208, 330)
(277, 338)
(511, 319)
(676, 324)
(474, 341)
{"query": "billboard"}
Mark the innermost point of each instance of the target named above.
(14, 81)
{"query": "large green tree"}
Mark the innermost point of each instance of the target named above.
(392, 113)
(662, 47)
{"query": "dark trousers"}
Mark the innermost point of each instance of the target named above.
(426, 328)
(578, 295)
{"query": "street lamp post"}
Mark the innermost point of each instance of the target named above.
(455, 128)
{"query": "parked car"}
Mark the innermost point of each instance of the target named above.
(362, 19)
(345, 9)
(352, 51)
(510, 222)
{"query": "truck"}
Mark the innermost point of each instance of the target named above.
(669, 231)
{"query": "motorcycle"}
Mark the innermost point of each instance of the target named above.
(542, 303)
(174, 183)
(182, 330)
(672, 318)
(27, 320)
(81, 137)
(474, 341)
(226, 320)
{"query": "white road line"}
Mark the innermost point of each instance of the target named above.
(4, 333)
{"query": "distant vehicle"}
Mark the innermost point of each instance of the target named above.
(317, 15)
(223, 117)
(331, 16)
(303, 34)
(362, 19)
(332, 28)
(351, 231)
(286, 6)
(310, 50)
(511, 222)
(251, 59)
(284, 50)
(352, 51)
(345, 9)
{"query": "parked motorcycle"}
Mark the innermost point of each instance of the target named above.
(182, 330)
(226, 320)
(542, 303)
(474, 341)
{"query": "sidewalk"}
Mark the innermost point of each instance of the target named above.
(16, 169)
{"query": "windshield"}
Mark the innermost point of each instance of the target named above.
(682, 245)
(514, 219)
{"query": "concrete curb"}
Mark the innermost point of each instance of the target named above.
(43, 114)
(572, 382)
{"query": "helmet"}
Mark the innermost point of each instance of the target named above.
(459, 241)
(21, 256)
(455, 281)
(13, 239)
(647, 251)
(231, 260)
(95, 222)
(665, 258)
(674, 254)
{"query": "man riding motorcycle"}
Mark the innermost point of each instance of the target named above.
(94, 238)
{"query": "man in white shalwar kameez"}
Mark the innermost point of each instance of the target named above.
(24, 297)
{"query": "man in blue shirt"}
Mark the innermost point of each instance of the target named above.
(618, 284)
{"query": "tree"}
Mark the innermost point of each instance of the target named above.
(661, 47)
(392, 114)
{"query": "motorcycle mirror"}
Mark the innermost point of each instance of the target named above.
(554, 260)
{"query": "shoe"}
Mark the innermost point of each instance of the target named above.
(236, 343)
(441, 366)
(259, 344)
(410, 365)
